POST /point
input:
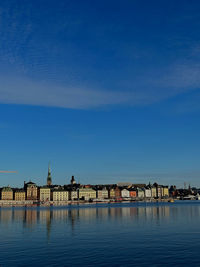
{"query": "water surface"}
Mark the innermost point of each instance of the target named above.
(100, 235)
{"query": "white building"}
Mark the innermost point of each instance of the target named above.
(147, 192)
(140, 193)
(125, 193)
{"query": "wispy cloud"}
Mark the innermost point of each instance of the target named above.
(177, 80)
(27, 92)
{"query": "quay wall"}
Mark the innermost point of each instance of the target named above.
(4, 203)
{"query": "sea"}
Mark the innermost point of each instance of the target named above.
(119, 234)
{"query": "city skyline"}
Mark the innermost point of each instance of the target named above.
(106, 91)
(49, 180)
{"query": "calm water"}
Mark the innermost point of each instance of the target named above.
(101, 235)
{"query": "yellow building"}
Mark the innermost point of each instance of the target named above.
(102, 194)
(45, 194)
(153, 192)
(20, 195)
(60, 195)
(165, 191)
(31, 191)
(7, 193)
(87, 193)
(112, 193)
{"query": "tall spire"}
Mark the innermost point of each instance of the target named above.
(73, 181)
(49, 179)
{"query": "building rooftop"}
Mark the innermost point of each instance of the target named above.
(30, 183)
(7, 189)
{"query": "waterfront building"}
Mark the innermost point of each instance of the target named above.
(117, 192)
(140, 193)
(133, 193)
(165, 191)
(87, 193)
(153, 192)
(60, 195)
(20, 195)
(102, 194)
(45, 194)
(112, 193)
(147, 192)
(74, 195)
(159, 191)
(49, 178)
(31, 191)
(125, 193)
(7, 193)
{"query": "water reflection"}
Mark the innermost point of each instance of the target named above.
(29, 218)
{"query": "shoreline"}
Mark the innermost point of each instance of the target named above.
(31, 203)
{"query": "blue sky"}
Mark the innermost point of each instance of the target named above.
(107, 91)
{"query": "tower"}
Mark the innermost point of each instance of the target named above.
(49, 179)
(73, 181)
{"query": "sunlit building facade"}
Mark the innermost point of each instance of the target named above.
(60, 195)
(31, 191)
(20, 195)
(6, 193)
(45, 194)
(87, 193)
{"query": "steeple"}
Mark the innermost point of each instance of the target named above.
(73, 181)
(49, 179)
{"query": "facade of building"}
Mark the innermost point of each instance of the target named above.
(102, 194)
(87, 193)
(74, 195)
(112, 193)
(125, 193)
(45, 194)
(133, 193)
(6, 193)
(165, 191)
(159, 191)
(140, 193)
(31, 191)
(60, 195)
(147, 192)
(20, 195)
(153, 192)
(117, 192)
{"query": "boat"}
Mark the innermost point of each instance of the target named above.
(171, 200)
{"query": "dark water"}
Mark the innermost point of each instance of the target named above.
(101, 235)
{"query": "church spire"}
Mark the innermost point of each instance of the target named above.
(49, 179)
(73, 181)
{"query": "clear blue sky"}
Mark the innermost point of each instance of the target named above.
(107, 91)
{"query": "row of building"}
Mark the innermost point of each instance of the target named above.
(83, 193)
(88, 192)
(76, 191)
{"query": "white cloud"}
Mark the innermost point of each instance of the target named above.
(28, 92)
(176, 79)
(24, 91)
